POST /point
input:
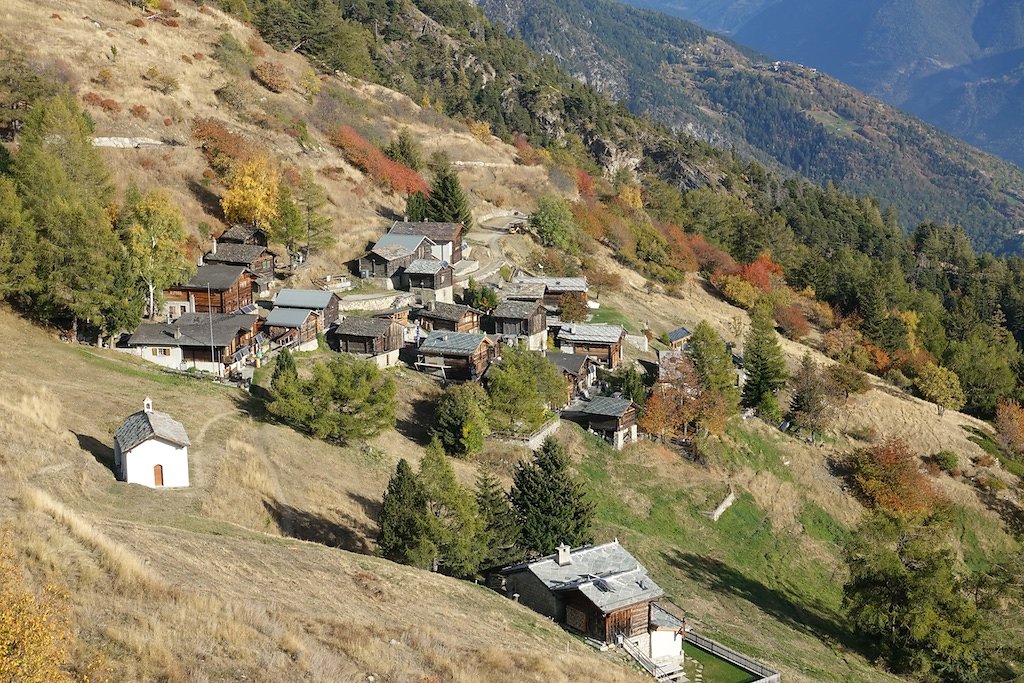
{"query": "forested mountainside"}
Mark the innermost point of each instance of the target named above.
(954, 63)
(785, 115)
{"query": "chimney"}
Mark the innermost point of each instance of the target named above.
(214, 249)
(564, 556)
(177, 332)
(147, 405)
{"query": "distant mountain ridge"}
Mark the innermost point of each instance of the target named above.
(787, 116)
(955, 63)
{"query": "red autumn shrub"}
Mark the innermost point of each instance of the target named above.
(271, 76)
(137, 23)
(584, 184)
(527, 154)
(143, 41)
(762, 272)
(370, 160)
(168, 121)
(889, 476)
(110, 106)
(186, 59)
(792, 321)
(681, 256)
(139, 111)
(711, 259)
(198, 56)
(92, 99)
(221, 147)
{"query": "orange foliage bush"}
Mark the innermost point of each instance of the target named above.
(1010, 425)
(137, 23)
(879, 358)
(143, 41)
(139, 111)
(681, 256)
(186, 59)
(370, 160)
(792, 321)
(92, 99)
(221, 147)
(527, 154)
(584, 184)
(763, 273)
(889, 476)
(711, 259)
(271, 76)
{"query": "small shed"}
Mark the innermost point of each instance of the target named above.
(294, 327)
(430, 280)
(611, 418)
(456, 355)
(379, 339)
(241, 233)
(579, 370)
(437, 315)
(151, 449)
(678, 337)
(522, 291)
(215, 288)
(322, 301)
(603, 342)
(526, 321)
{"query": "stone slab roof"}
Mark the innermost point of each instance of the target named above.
(517, 310)
(437, 232)
(531, 291)
(608, 575)
(439, 310)
(242, 233)
(602, 406)
(193, 330)
(362, 327)
(452, 343)
(312, 299)
(595, 334)
(236, 254)
(218, 276)
(143, 426)
(556, 285)
(410, 242)
(425, 266)
(567, 362)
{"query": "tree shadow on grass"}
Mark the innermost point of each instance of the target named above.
(418, 425)
(348, 534)
(718, 577)
(206, 197)
(103, 453)
(1008, 511)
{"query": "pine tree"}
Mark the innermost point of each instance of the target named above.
(763, 359)
(447, 202)
(405, 150)
(454, 526)
(499, 522)
(403, 521)
(810, 407)
(874, 312)
(551, 506)
(416, 207)
(461, 414)
(714, 364)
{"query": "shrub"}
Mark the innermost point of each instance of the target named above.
(991, 483)
(139, 111)
(232, 55)
(888, 476)
(221, 147)
(137, 23)
(271, 76)
(947, 460)
(768, 409)
(235, 95)
(373, 162)
(92, 99)
(791, 321)
(865, 433)
(984, 460)
(143, 41)
(104, 76)
(527, 154)
(198, 56)
(168, 121)
(160, 80)
(167, 21)
(111, 106)
(186, 59)
(737, 291)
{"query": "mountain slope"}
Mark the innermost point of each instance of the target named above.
(787, 116)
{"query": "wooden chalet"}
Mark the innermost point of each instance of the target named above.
(456, 355)
(245, 234)
(611, 418)
(579, 371)
(442, 316)
(521, 321)
(214, 342)
(294, 327)
(258, 259)
(603, 342)
(322, 301)
(678, 337)
(445, 237)
(555, 288)
(599, 591)
(392, 254)
(376, 338)
(215, 288)
(430, 280)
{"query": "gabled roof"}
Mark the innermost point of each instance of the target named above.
(193, 330)
(608, 575)
(312, 299)
(524, 291)
(595, 334)
(679, 334)
(363, 327)
(452, 343)
(391, 252)
(288, 317)
(407, 241)
(517, 310)
(236, 254)
(242, 233)
(602, 406)
(219, 277)
(438, 232)
(573, 363)
(439, 310)
(426, 266)
(556, 285)
(143, 426)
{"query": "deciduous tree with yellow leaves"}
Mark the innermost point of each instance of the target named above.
(254, 187)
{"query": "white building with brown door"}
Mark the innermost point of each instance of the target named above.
(151, 449)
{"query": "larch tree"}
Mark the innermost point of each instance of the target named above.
(447, 202)
(288, 226)
(461, 414)
(501, 534)
(713, 363)
(551, 506)
(19, 281)
(941, 386)
(522, 389)
(311, 199)
(763, 359)
(253, 191)
(153, 230)
(811, 406)
(454, 526)
(403, 521)
(1010, 425)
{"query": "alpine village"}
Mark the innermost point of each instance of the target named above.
(379, 341)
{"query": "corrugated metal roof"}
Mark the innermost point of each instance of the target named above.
(679, 334)
(410, 242)
(313, 299)
(608, 575)
(425, 266)
(142, 426)
(288, 317)
(600, 334)
(452, 343)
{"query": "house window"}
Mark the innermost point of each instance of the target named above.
(160, 351)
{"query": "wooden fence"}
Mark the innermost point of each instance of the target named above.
(735, 658)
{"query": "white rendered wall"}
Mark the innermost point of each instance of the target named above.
(138, 464)
(666, 644)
